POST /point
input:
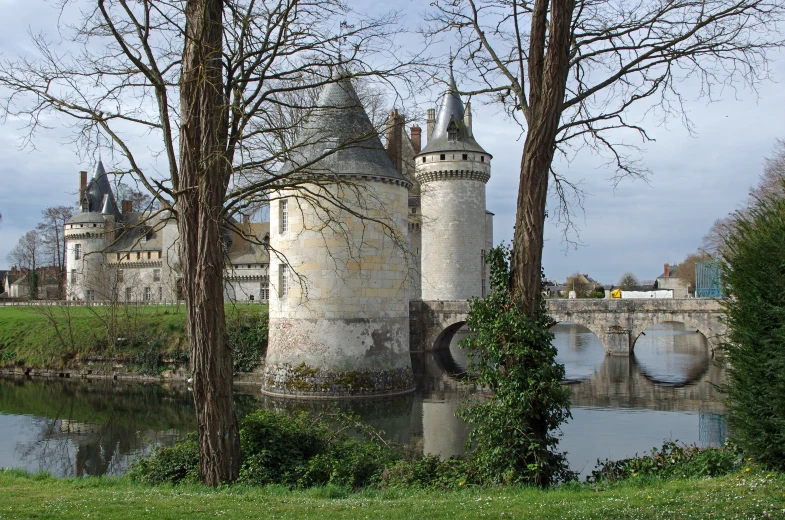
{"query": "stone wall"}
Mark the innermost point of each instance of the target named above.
(342, 329)
(453, 237)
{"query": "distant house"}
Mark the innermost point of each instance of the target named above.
(17, 283)
(669, 279)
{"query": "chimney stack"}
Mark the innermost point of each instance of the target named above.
(667, 270)
(467, 118)
(430, 123)
(395, 138)
(82, 188)
(416, 132)
(128, 206)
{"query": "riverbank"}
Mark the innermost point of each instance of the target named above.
(147, 342)
(746, 495)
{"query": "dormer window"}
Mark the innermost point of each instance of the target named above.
(452, 131)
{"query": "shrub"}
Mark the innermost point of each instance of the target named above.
(169, 465)
(513, 355)
(672, 461)
(754, 271)
(248, 341)
(294, 451)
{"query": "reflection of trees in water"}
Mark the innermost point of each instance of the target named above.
(94, 427)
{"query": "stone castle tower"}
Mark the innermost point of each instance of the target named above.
(87, 233)
(452, 170)
(339, 317)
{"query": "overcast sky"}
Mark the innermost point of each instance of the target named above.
(637, 227)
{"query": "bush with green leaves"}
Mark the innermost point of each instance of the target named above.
(290, 450)
(248, 340)
(672, 461)
(753, 272)
(169, 465)
(513, 439)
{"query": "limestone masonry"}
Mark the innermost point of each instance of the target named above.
(366, 230)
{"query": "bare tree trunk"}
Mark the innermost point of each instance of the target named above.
(548, 68)
(200, 196)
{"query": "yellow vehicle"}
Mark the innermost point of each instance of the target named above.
(616, 293)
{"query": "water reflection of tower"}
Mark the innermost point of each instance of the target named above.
(711, 429)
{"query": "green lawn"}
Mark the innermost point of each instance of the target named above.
(751, 495)
(56, 336)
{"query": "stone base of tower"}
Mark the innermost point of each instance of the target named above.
(338, 358)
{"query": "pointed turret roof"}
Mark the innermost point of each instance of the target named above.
(340, 122)
(451, 110)
(100, 199)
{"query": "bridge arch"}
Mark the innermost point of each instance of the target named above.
(584, 323)
(689, 321)
(444, 338)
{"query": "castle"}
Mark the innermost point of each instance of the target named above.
(405, 222)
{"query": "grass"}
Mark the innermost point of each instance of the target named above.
(748, 495)
(60, 336)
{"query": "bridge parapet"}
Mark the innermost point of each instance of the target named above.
(617, 323)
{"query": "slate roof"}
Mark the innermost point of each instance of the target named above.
(451, 109)
(100, 199)
(133, 231)
(340, 122)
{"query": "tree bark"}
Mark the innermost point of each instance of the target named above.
(548, 68)
(201, 189)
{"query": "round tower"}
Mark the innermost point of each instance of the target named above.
(86, 238)
(452, 170)
(339, 312)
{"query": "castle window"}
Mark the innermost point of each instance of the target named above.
(77, 251)
(423, 159)
(466, 157)
(482, 158)
(73, 276)
(148, 294)
(119, 275)
(284, 217)
(156, 275)
(138, 255)
(95, 225)
(265, 292)
(441, 157)
(90, 295)
(118, 257)
(149, 255)
(414, 210)
(283, 280)
(452, 131)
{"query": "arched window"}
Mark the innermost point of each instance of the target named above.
(452, 131)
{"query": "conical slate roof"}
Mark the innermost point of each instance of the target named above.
(451, 109)
(100, 199)
(339, 122)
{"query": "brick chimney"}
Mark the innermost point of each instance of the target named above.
(667, 271)
(416, 138)
(82, 187)
(394, 138)
(127, 206)
(430, 123)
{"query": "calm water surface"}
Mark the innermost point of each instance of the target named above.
(621, 406)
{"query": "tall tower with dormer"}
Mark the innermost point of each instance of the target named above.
(452, 170)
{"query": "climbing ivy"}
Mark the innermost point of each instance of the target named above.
(513, 439)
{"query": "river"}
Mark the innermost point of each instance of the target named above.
(620, 407)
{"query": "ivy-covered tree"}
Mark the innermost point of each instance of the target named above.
(754, 273)
(514, 437)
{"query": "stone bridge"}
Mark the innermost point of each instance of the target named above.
(617, 323)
